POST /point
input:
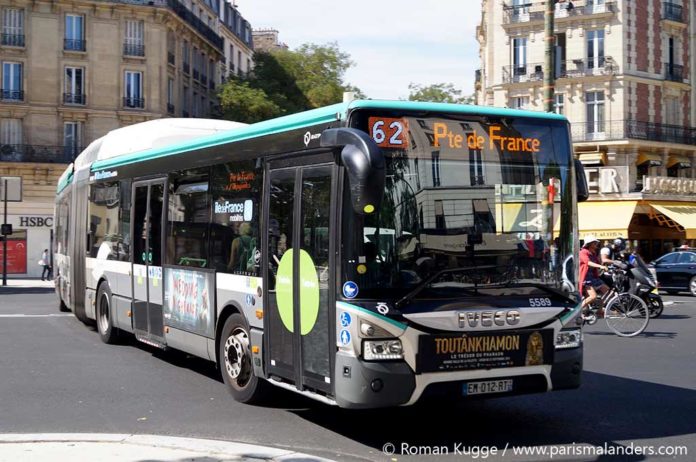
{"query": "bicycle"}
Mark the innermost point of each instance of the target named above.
(626, 314)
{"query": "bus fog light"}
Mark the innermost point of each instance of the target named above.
(571, 338)
(377, 350)
(367, 330)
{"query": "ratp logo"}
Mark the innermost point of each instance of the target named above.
(308, 137)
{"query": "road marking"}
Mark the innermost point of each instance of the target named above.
(56, 315)
(668, 303)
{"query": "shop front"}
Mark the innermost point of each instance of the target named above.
(31, 234)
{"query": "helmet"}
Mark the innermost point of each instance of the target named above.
(619, 243)
(589, 239)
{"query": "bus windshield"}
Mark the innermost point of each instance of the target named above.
(470, 207)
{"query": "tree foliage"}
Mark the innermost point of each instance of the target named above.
(288, 81)
(437, 93)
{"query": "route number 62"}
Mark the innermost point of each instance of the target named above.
(388, 132)
(539, 302)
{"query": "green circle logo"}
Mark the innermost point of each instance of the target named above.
(309, 292)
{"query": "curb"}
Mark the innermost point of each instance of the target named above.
(107, 447)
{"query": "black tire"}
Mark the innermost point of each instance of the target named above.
(63, 307)
(103, 312)
(234, 360)
(692, 286)
(655, 306)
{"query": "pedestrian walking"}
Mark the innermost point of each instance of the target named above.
(46, 263)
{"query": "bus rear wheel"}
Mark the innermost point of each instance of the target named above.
(234, 357)
(105, 325)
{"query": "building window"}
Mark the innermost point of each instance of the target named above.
(196, 69)
(74, 32)
(74, 86)
(170, 96)
(12, 81)
(594, 103)
(440, 222)
(133, 90)
(231, 58)
(211, 73)
(185, 102)
(519, 56)
(13, 27)
(185, 56)
(134, 44)
(109, 220)
(72, 137)
(559, 103)
(195, 105)
(239, 63)
(436, 168)
(203, 107)
(476, 169)
(595, 49)
(10, 138)
(520, 102)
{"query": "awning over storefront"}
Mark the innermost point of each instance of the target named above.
(683, 214)
(592, 158)
(605, 220)
(654, 159)
(678, 162)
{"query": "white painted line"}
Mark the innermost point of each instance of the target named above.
(56, 315)
(668, 303)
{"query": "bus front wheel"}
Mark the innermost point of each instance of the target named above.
(234, 358)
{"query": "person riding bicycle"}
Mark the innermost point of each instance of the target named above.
(613, 253)
(590, 283)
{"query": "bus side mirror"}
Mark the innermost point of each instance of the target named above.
(364, 162)
(581, 181)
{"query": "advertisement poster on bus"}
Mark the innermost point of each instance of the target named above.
(188, 300)
(16, 256)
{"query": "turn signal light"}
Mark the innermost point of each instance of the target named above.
(129, 314)
(255, 349)
(259, 314)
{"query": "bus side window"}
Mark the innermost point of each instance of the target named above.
(188, 218)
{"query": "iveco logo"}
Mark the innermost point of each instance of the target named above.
(488, 318)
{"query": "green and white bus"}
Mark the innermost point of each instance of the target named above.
(365, 254)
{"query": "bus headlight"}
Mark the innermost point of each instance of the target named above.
(570, 338)
(379, 350)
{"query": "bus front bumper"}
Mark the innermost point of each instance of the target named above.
(360, 384)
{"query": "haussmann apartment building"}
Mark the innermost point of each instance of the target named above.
(71, 71)
(623, 73)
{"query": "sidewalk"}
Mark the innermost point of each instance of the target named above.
(27, 283)
(127, 448)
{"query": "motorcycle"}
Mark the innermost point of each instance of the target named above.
(639, 281)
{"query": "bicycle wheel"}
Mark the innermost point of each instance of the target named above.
(627, 315)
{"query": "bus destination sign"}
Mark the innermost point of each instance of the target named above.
(441, 353)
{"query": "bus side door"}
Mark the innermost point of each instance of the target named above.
(148, 215)
(299, 317)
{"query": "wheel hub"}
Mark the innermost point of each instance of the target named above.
(237, 356)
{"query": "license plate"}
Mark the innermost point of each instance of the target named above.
(488, 386)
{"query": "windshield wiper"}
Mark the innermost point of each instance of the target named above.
(416, 290)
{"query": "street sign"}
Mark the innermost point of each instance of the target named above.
(14, 188)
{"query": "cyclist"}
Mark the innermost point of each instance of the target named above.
(611, 254)
(589, 276)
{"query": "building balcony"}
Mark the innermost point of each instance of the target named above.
(133, 103)
(74, 45)
(170, 108)
(74, 98)
(614, 130)
(34, 153)
(133, 49)
(200, 27)
(674, 72)
(13, 40)
(534, 12)
(534, 72)
(672, 12)
(12, 95)
(170, 58)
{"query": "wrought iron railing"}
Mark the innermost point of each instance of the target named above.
(74, 44)
(13, 40)
(531, 12)
(74, 98)
(133, 103)
(133, 49)
(632, 129)
(12, 95)
(37, 153)
(673, 12)
(567, 69)
(674, 72)
(202, 28)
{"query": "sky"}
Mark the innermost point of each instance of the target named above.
(392, 43)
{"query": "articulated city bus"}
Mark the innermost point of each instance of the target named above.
(364, 254)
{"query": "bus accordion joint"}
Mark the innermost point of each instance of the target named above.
(364, 163)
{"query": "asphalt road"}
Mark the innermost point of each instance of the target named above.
(57, 376)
